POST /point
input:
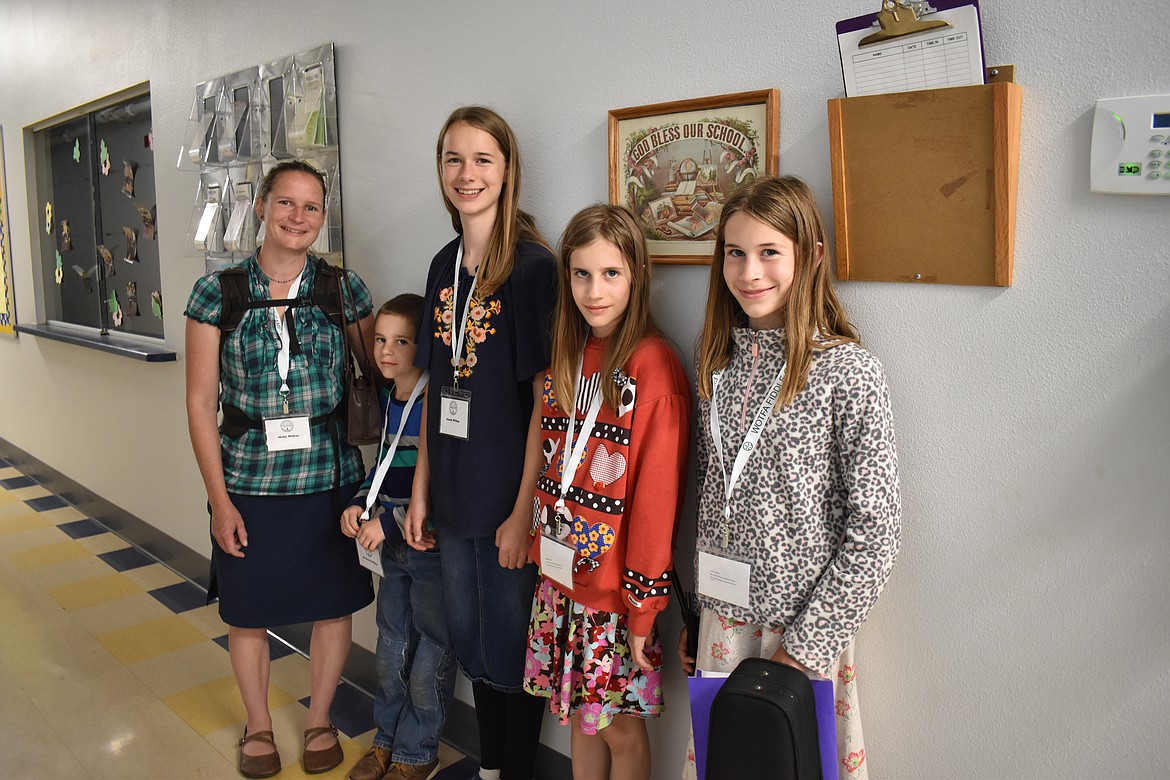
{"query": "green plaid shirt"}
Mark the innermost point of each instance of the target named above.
(249, 381)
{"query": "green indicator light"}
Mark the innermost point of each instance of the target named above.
(1129, 169)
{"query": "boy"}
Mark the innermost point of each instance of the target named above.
(414, 657)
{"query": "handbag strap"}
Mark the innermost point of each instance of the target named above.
(361, 355)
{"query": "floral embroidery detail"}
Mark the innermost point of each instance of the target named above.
(479, 326)
(854, 761)
(550, 397)
(846, 674)
(729, 623)
(844, 709)
(720, 651)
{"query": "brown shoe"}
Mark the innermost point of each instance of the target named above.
(372, 765)
(399, 771)
(263, 765)
(318, 761)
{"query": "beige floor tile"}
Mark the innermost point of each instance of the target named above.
(182, 669)
(9, 472)
(31, 538)
(123, 613)
(19, 523)
(11, 507)
(30, 492)
(69, 700)
(216, 705)
(146, 640)
(104, 543)
(99, 590)
(58, 574)
(153, 576)
(64, 514)
(291, 673)
(144, 740)
(45, 553)
(206, 619)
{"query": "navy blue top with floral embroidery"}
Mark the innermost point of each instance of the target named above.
(474, 482)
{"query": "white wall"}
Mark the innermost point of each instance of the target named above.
(1021, 634)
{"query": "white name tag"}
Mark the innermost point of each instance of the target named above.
(454, 412)
(287, 433)
(556, 561)
(370, 559)
(724, 579)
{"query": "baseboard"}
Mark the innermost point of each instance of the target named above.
(462, 730)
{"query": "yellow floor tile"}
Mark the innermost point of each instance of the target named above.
(87, 593)
(6, 498)
(147, 640)
(207, 620)
(182, 669)
(48, 554)
(104, 543)
(30, 492)
(123, 613)
(216, 705)
(153, 576)
(15, 524)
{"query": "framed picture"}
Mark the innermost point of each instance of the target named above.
(674, 165)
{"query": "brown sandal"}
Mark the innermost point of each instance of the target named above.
(263, 765)
(318, 761)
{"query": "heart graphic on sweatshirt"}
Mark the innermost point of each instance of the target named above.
(606, 468)
(561, 460)
(591, 540)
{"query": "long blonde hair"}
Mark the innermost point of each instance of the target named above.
(512, 224)
(813, 317)
(614, 225)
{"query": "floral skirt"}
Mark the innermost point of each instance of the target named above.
(579, 659)
(723, 643)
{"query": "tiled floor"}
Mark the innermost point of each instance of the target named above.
(112, 667)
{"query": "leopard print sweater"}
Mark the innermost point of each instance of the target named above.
(816, 510)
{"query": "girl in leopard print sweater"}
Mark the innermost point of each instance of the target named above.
(799, 516)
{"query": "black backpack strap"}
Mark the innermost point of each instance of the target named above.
(233, 288)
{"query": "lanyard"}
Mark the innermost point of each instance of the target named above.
(575, 449)
(284, 355)
(384, 463)
(458, 337)
(749, 442)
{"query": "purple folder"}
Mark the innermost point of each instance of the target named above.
(702, 693)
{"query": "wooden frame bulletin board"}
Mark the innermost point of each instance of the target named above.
(924, 184)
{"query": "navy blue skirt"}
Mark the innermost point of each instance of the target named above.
(297, 568)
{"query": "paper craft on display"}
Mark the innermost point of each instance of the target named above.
(131, 236)
(86, 276)
(59, 273)
(66, 236)
(107, 260)
(48, 219)
(132, 299)
(104, 156)
(931, 58)
(156, 304)
(147, 220)
(77, 151)
(129, 169)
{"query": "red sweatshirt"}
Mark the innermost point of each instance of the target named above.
(628, 490)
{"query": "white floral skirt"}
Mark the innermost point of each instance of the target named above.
(723, 643)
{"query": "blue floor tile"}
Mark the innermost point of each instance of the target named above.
(45, 503)
(276, 648)
(352, 711)
(15, 483)
(464, 769)
(181, 597)
(80, 529)
(5, 464)
(126, 559)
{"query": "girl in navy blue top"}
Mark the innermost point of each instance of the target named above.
(485, 339)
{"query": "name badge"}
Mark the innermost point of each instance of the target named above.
(287, 433)
(556, 561)
(370, 559)
(454, 412)
(724, 579)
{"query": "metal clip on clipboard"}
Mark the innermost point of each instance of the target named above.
(898, 20)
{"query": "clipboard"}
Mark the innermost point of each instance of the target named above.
(912, 53)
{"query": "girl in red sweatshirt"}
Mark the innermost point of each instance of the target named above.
(615, 431)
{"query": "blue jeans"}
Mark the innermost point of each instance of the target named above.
(488, 610)
(416, 678)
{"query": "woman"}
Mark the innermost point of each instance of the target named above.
(279, 469)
